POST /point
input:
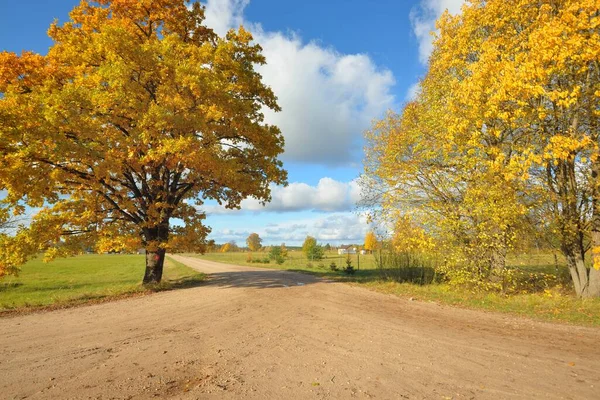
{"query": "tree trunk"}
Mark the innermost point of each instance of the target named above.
(498, 260)
(578, 272)
(154, 240)
(594, 278)
(594, 284)
(154, 266)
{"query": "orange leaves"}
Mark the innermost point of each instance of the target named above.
(136, 109)
(20, 73)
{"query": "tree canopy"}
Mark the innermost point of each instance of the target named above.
(137, 114)
(311, 249)
(370, 241)
(254, 242)
(501, 141)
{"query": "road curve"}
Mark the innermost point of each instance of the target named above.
(258, 333)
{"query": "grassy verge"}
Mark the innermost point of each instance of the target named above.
(84, 279)
(551, 305)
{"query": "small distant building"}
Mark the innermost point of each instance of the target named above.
(363, 252)
(347, 250)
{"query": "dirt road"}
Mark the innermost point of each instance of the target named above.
(255, 333)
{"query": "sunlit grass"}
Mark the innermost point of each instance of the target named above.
(85, 278)
(547, 306)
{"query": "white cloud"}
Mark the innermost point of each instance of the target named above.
(328, 195)
(222, 15)
(423, 19)
(413, 91)
(335, 228)
(328, 99)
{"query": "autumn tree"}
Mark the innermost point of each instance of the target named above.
(505, 128)
(370, 241)
(533, 71)
(254, 242)
(284, 250)
(311, 249)
(137, 114)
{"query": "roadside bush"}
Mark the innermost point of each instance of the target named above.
(321, 265)
(333, 266)
(537, 282)
(261, 261)
(309, 265)
(406, 267)
(510, 280)
(315, 253)
(276, 254)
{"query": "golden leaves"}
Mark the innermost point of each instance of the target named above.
(136, 109)
(512, 88)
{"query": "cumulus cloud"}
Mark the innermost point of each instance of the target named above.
(328, 99)
(328, 195)
(334, 228)
(222, 15)
(423, 19)
(413, 91)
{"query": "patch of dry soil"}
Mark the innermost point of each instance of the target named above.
(256, 333)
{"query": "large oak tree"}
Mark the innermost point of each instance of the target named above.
(137, 114)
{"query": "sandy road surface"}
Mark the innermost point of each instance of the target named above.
(252, 333)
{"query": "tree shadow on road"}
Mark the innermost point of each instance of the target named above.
(260, 279)
(412, 275)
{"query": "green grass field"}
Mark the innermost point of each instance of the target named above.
(296, 260)
(85, 278)
(556, 304)
(539, 262)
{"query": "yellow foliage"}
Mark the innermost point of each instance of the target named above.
(137, 114)
(370, 241)
(226, 248)
(504, 129)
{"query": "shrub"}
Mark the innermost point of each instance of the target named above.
(276, 254)
(349, 269)
(406, 267)
(312, 250)
(333, 266)
(261, 261)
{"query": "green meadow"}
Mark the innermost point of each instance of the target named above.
(85, 278)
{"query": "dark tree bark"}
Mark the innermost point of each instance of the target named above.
(154, 266)
(153, 239)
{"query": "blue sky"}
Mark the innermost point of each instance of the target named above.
(335, 66)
